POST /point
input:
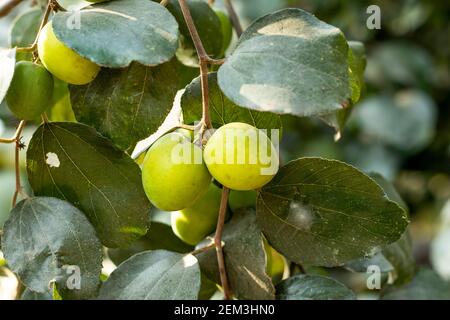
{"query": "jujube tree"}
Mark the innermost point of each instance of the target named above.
(125, 65)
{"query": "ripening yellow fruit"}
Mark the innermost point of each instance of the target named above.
(241, 157)
(63, 62)
(172, 178)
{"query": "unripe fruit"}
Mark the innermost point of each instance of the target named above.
(62, 61)
(30, 91)
(241, 157)
(227, 29)
(195, 223)
(173, 174)
(242, 199)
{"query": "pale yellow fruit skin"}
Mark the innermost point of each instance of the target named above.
(195, 223)
(172, 186)
(63, 62)
(245, 175)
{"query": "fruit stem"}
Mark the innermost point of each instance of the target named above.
(218, 243)
(234, 17)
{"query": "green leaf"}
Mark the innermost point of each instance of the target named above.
(325, 212)
(31, 295)
(45, 240)
(115, 33)
(245, 259)
(222, 109)
(396, 258)
(405, 121)
(426, 285)
(24, 30)
(159, 236)
(313, 287)
(128, 105)
(154, 275)
(357, 65)
(72, 161)
(7, 64)
(207, 23)
(288, 62)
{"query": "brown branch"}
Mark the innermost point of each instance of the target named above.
(218, 241)
(18, 146)
(204, 60)
(234, 17)
(8, 7)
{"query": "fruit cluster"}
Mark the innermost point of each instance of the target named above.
(177, 175)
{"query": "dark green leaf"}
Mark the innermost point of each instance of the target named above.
(313, 287)
(357, 65)
(289, 62)
(128, 105)
(362, 265)
(31, 295)
(426, 285)
(154, 275)
(159, 236)
(48, 240)
(245, 259)
(72, 161)
(7, 64)
(206, 21)
(400, 255)
(222, 110)
(115, 33)
(325, 212)
(24, 31)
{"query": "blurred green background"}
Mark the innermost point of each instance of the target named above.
(400, 128)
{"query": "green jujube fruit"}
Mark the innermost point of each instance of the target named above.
(173, 173)
(195, 223)
(30, 90)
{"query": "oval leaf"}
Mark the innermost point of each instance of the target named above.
(128, 105)
(222, 109)
(72, 161)
(159, 236)
(46, 240)
(245, 259)
(154, 275)
(313, 287)
(115, 33)
(24, 31)
(288, 62)
(325, 212)
(7, 64)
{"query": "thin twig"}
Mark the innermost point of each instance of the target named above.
(203, 60)
(204, 249)
(16, 134)
(218, 242)
(8, 7)
(17, 162)
(234, 17)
